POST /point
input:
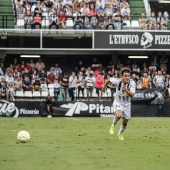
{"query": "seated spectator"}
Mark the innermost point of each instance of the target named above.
(37, 10)
(62, 19)
(56, 89)
(87, 23)
(33, 2)
(26, 84)
(116, 6)
(17, 83)
(18, 2)
(36, 21)
(84, 10)
(100, 8)
(11, 91)
(123, 3)
(39, 66)
(43, 77)
(28, 20)
(166, 17)
(111, 22)
(143, 21)
(36, 85)
(25, 74)
(118, 21)
(64, 81)
(109, 11)
(99, 4)
(68, 10)
(92, 11)
(161, 21)
(100, 19)
(93, 22)
(27, 6)
(4, 91)
(152, 21)
(53, 20)
(20, 12)
(9, 78)
(34, 76)
(78, 21)
(125, 12)
(51, 77)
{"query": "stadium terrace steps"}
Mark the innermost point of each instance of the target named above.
(7, 10)
(136, 8)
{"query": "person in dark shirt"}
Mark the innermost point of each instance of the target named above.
(49, 105)
(64, 81)
(4, 91)
(26, 84)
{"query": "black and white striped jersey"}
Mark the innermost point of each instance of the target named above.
(121, 96)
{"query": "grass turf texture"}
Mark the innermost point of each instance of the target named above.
(84, 144)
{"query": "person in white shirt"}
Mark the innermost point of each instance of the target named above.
(89, 85)
(9, 78)
(125, 90)
(72, 85)
(125, 12)
(159, 81)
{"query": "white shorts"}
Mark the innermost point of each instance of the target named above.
(126, 109)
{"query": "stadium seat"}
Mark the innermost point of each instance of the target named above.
(44, 87)
(51, 86)
(19, 94)
(44, 93)
(45, 23)
(126, 24)
(28, 93)
(69, 23)
(51, 91)
(36, 94)
(20, 23)
(135, 24)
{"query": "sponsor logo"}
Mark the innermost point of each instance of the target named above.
(79, 107)
(146, 40)
(8, 109)
(29, 112)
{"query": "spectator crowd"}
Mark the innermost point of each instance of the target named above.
(34, 77)
(83, 14)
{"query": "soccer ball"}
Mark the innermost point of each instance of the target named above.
(23, 136)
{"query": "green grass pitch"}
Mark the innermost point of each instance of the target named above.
(85, 144)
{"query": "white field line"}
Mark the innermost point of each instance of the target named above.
(70, 118)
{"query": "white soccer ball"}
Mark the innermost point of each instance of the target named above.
(23, 136)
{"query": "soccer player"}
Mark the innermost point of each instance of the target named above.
(125, 90)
